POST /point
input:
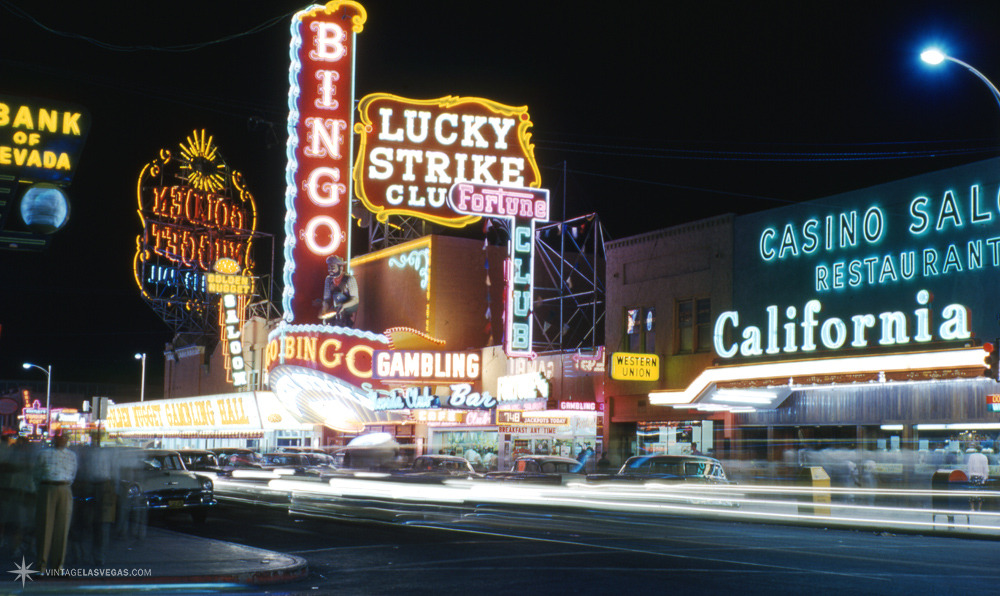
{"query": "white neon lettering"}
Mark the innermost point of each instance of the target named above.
(731, 318)
(311, 235)
(328, 192)
(329, 41)
(834, 333)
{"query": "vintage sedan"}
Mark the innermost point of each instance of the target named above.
(156, 481)
(443, 466)
(678, 468)
(545, 469)
(199, 460)
(298, 464)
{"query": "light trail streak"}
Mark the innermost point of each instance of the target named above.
(410, 502)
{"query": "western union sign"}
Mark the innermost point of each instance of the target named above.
(635, 367)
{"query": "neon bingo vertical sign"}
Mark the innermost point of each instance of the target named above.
(318, 179)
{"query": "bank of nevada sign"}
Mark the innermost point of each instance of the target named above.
(901, 267)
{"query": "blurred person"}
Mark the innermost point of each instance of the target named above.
(604, 464)
(95, 488)
(978, 468)
(22, 497)
(474, 458)
(868, 479)
(490, 460)
(8, 496)
(55, 470)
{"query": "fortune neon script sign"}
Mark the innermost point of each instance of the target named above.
(413, 151)
(523, 207)
(318, 189)
(886, 267)
(195, 213)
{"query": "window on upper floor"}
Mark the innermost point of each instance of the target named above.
(694, 325)
(640, 330)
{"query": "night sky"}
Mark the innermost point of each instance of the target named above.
(660, 113)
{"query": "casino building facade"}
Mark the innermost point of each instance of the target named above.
(854, 322)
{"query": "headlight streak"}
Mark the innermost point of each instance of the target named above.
(462, 500)
(255, 474)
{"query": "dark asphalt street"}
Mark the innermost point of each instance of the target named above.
(672, 555)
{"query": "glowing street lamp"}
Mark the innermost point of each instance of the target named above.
(934, 57)
(48, 393)
(142, 387)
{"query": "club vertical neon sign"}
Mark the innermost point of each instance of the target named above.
(522, 207)
(318, 180)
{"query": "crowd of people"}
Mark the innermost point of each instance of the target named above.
(57, 502)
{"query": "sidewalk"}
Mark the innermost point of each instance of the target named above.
(163, 557)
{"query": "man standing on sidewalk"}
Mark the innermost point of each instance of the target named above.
(979, 473)
(55, 470)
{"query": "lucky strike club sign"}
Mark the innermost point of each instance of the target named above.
(318, 177)
(413, 151)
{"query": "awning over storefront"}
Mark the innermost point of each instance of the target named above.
(766, 385)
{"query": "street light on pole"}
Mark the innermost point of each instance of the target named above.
(48, 394)
(142, 387)
(934, 57)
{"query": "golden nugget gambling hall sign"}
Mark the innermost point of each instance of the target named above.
(201, 413)
(635, 367)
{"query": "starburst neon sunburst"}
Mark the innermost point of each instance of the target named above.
(200, 163)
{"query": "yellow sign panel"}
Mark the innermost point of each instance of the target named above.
(635, 367)
(221, 283)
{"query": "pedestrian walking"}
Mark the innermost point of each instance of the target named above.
(979, 473)
(55, 470)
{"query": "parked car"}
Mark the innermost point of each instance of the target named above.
(199, 460)
(231, 458)
(156, 481)
(300, 464)
(546, 469)
(295, 449)
(443, 466)
(680, 468)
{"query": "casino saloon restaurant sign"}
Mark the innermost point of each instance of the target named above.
(900, 267)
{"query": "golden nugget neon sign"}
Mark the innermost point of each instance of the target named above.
(187, 228)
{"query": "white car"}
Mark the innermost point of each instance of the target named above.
(156, 480)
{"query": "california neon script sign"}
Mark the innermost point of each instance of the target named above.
(795, 332)
(413, 151)
(318, 192)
